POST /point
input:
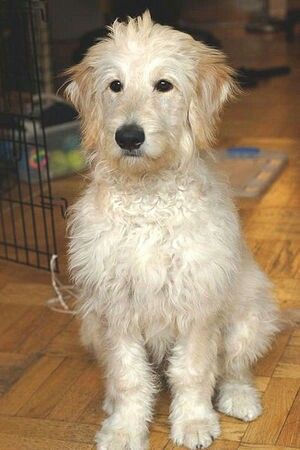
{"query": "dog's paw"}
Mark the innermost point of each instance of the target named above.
(196, 434)
(114, 437)
(239, 400)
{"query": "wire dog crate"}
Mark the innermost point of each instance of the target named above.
(27, 220)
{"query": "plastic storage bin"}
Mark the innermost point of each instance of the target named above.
(63, 148)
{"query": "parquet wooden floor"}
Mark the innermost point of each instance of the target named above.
(50, 390)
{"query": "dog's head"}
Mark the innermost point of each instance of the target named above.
(148, 95)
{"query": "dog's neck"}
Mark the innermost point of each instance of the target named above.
(196, 169)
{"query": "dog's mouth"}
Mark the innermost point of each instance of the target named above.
(134, 153)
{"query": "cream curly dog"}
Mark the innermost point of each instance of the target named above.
(156, 247)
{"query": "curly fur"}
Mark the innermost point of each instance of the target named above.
(155, 241)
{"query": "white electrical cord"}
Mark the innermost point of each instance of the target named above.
(64, 293)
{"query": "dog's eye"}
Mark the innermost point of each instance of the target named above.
(163, 86)
(116, 86)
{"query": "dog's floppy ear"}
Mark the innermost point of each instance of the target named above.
(80, 91)
(213, 86)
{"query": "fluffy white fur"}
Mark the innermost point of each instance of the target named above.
(156, 247)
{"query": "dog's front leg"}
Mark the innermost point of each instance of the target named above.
(191, 374)
(130, 390)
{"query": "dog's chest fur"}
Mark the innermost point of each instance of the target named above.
(167, 249)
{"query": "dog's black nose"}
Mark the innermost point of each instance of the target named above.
(130, 137)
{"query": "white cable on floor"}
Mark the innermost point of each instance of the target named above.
(64, 292)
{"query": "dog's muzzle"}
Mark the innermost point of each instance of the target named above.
(130, 138)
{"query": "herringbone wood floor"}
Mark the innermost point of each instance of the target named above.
(50, 390)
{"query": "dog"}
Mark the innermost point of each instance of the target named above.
(166, 279)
